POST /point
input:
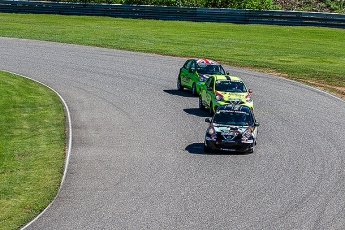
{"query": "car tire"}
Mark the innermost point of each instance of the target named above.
(253, 148)
(211, 109)
(194, 90)
(179, 85)
(201, 106)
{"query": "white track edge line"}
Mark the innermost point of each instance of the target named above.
(69, 143)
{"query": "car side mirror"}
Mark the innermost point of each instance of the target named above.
(227, 73)
(209, 88)
(208, 119)
(250, 91)
(191, 70)
(256, 124)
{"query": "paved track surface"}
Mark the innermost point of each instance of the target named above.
(137, 159)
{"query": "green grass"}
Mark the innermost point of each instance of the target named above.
(32, 143)
(32, 121)
(296, 52)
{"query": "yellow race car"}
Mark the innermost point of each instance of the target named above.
(219, 90)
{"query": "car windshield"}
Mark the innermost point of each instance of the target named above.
(210, 69)
(229, 117)
(229, 86)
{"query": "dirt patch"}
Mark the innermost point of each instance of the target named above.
(338, 91)
(335, 90)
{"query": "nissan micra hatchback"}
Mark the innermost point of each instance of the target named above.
(232, 128)
(195, 71)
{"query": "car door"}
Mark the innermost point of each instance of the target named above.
(184, 71)
(207, 91)
(191, 74)
(203, 90)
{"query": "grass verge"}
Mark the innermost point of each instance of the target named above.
(32, 143)
(309, 54)
(32, 120)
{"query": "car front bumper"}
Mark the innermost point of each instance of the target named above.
(233, 146)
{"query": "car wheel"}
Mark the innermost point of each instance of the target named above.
(194, 90)
(201, 106)
(211, 109)
(179, 85)
(253, 147)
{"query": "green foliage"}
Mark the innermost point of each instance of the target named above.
(253, 4)
(336, 6)
(243, 4)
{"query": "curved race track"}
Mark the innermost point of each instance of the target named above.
(137, 159)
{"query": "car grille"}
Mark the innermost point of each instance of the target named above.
(229, 137)
(230, 102)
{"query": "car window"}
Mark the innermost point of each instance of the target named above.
(210, 69)
(221, 70)
(193, 65)
(229, 86)
(233, 117)
(187, 64)
(210, 82)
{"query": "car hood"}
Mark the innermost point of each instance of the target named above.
(230, 128)
(229, 95)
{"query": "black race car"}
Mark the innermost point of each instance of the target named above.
(232, 128)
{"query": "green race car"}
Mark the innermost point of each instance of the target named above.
(219, 90)
(195, 71)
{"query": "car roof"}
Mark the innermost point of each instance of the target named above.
(226, 77)
(205, 61)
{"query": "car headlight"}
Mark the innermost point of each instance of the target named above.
(211, 132)
(247, 136)
(248, 98)
(219, 97)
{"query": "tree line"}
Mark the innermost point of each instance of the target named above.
(333, 6)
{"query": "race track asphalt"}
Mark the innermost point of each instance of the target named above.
(137, 161)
